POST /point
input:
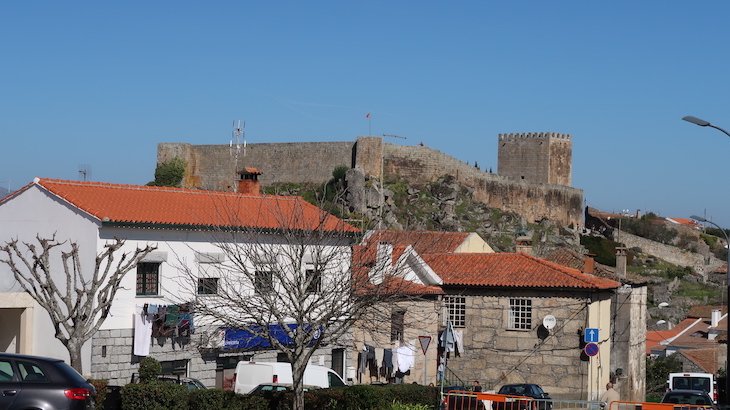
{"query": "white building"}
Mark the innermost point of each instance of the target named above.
(189, 228)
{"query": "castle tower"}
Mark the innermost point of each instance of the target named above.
(536, 157)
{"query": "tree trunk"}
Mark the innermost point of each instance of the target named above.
(74, 352)
(297, 372)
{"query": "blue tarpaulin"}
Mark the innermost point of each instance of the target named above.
(251, 337)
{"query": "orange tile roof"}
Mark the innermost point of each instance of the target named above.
(654, 339)
(147, 205)
(705, 311)
(511, 270)
(422, 241)
(705, 359)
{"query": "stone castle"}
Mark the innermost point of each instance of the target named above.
(533, 180)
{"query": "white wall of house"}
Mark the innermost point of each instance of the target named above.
(36, 212)
(599, 368)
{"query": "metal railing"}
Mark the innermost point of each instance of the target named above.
(467, 400)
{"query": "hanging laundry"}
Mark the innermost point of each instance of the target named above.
(406, 357)
(152, 309)
(459, 339)
(142, 334)
(379, 356)
(172, 316)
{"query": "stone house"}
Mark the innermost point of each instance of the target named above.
(400, 323)
(497, 303)
(190, 229)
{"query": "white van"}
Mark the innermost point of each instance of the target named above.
(694, 381)
(251, 374)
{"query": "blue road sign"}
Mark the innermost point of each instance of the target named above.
(591, 335)
(591, 349)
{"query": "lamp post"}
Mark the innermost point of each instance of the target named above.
(703, 123)
(727, 244)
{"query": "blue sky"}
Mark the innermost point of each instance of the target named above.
(101, 84)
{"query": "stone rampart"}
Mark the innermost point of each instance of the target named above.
(533, 201)
(213, 167)
(669, 253)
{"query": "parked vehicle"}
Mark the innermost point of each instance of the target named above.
(695, 399)
(274, 387)
(189, 382)
(251, 374)
(542, 401)
(42, 383)
(694, 381)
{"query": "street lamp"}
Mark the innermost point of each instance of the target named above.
(703, 123)
(727, 244)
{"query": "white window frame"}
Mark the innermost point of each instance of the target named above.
(456, 310)
(520, 314)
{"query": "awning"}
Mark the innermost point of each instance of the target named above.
(253, 337)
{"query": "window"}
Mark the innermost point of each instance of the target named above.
(520, 314)
(176, 367)
(148, 278)
(263, 282)
(314, 281)
(30, 372)
(207, 286)
(456, 307)
(397, 325)
(6, 371)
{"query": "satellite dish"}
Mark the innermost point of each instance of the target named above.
(549, 322)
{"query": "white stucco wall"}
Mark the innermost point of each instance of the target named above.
(599, 368)
(36, 212)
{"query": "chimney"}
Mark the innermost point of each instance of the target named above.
(383, 262)
(715, 318)
(249, 182)
(621, 262)
(589, 264)
(523, 244)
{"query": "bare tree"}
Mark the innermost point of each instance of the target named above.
(294, 286)
(77, 303)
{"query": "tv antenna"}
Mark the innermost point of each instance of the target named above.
(237, 145)
(84, 172)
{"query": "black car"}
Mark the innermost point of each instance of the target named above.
(189, 382)
(699, 398)
(44, 383)
(542, 400)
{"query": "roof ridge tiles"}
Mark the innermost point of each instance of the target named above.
(100, 184)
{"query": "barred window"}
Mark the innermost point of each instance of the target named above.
(263, 282)
(314, 281)
(456, 306)
(397, 325)
(207, 286)
(520, 314)
(148, 278)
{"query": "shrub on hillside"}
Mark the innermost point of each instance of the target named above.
(603, 249)
(649, 226)
(154, 396)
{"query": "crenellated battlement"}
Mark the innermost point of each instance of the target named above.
(513, 136)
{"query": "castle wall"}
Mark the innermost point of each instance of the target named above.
(214, 166)
(533, 201)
